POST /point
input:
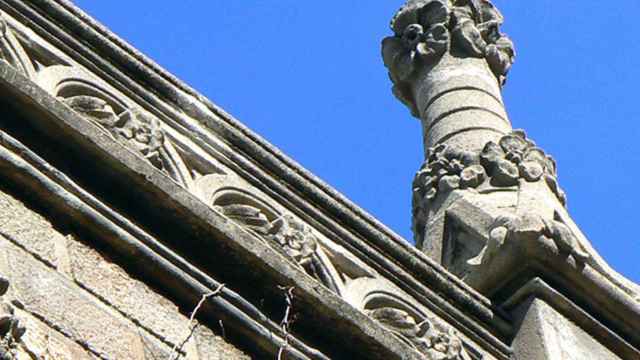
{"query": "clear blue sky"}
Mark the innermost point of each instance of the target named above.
(307, 76)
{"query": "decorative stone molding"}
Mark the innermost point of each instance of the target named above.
(93, 99)
(427, 29)
(436, 341)
(533, 228)
(12, 51)
(500, 165)
(514, 158)
(125, 121)
(292, 237)
(485, 191)
(136, 128)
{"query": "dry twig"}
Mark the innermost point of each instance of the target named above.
(177, 348)
(286, 320)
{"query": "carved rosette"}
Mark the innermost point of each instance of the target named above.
(426, 30)
(297, 240)
(435, 340)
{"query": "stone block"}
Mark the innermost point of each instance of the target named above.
(43, 342)
(61, 304)
(131, 297)
(31, 231)
(544, 333)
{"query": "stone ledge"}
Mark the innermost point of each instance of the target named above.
(538, 289)
(520, 262)
(314, 201)
(205, 222)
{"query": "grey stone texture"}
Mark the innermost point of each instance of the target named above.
(144, 202)
(249, 222)
(77, 304)
(546, 334)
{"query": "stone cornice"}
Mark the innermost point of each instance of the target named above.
(104, 52)
(105, 127)
(539, 289)
(184, 279)
(217, 135)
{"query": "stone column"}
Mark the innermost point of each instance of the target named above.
(484, 189)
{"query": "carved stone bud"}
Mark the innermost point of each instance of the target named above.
(472, 176)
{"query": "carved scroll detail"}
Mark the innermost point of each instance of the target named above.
(12, 51)
(129, 124)
(135, 127)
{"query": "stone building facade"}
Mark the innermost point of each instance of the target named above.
(141, 221)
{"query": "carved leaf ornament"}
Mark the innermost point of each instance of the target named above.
(291, 236)
(437, 341)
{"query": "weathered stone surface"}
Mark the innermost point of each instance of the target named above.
(545, 334)
(43, 342)
(456, 33)
(129, 296)
(31, 231)
(137, 301)
(343, 236)
(52, 298)
(213, 347)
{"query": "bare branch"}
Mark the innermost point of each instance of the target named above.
(286, 320)
(177, 348)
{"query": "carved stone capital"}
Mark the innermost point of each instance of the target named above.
(425, 31)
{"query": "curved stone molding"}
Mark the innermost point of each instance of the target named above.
(408, 320)
(429, 336)
(295, 239)
(436, 341)
(12, 51)
(426, 30)
(132, 126)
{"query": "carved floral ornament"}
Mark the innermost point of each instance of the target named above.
(504, 164)
(135, 127)
(435, 340)
(132, 126)
(295, 239)
(425, 30)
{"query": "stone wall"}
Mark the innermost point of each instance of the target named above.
(76, 303)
